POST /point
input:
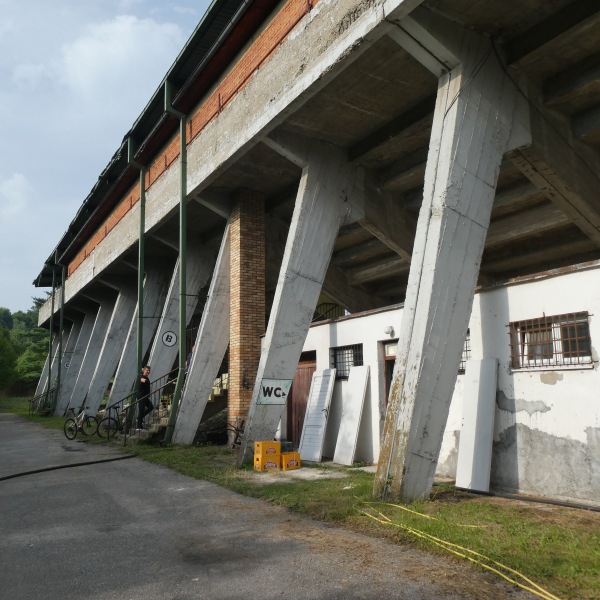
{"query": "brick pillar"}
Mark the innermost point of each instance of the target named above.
(247, 312)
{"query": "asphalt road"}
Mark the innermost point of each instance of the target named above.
(131, 530)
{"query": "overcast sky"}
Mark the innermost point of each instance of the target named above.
(75, 76)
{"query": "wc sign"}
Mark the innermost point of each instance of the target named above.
(274, 391)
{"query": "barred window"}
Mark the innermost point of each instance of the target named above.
(556, 341)
(344, 357)
(466, 353)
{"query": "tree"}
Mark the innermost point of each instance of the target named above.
(6, 319)
(8, 358)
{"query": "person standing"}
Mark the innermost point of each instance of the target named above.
(145, 406)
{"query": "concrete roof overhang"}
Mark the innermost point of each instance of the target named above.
(379, 108)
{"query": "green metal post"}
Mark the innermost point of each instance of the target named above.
(49, 387)
(141, 253)
(141, 250)
(182, 260)
(61, 328)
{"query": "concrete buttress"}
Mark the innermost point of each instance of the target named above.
(211, 344)
(330, 189)
(93, 345)
(155, 292)
(478, 117)
(75, 358)
(112, 345)
(200, 263)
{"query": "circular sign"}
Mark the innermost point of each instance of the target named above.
(169, 338)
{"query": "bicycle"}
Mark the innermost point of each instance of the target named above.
(87, 424)
(109, 426)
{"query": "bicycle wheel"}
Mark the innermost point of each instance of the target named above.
(89, 425)
(70, 429)
(107, 427)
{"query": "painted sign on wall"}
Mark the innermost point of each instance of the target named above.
(274, 391)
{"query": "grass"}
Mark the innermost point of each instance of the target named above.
(557, 548)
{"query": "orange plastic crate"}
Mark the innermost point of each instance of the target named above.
(290, 460)
(267, 462)
(267, 448)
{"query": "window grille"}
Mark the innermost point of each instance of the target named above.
(344, 357)
(466, 353)
(556, 341)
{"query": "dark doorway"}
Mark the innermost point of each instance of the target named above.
(298, 396)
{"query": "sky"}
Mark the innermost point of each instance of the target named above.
(75, 76)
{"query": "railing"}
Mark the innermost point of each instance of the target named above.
(160, 396)
(44, 402)
(328, 310)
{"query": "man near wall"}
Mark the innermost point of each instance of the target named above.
(145, 406)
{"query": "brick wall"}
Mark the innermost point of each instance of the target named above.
(247, 317)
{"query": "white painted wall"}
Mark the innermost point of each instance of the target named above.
(547, 422)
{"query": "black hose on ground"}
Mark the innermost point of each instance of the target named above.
(82, 464)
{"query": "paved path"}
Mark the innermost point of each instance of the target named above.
(131, 530)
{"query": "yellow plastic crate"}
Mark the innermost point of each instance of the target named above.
(267, 462)
(290, 460)
(267, 448)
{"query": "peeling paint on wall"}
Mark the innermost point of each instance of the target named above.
(515, 405)
(530, 461)
(551, 377)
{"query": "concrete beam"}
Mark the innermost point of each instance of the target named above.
(327, 184)
(112, 344)
(477, 112)
(84, 327)
(385, 218)
(211, 344)
(93, 346)
(199, 267)
(562, 167)
(155, 292)
(220, 204)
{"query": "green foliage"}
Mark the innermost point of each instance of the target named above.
(8, 359)
(6, 320)
(29, 344)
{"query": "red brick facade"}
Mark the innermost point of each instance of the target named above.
(247, 312)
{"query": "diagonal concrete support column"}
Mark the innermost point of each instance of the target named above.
(474, 125)
(107, 301)
(68, 348)
(199, 266)
(211, 344)
(42, 385)
(75, 354)
(328, 189)
(155, 291)
(113, 342)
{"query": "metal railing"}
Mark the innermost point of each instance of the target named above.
(160, 396)
(328, 310)
(44, 402)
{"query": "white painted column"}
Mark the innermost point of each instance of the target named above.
(165, 348)
(155, 291)
(328, 188)
(211, 344)
(476, 109)
(75, 358)
(112, 345)
(92, 349)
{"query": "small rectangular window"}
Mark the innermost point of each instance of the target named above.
(556, 341)
(344, 357)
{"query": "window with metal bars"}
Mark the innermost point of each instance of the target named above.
(344, 357)
(556, 341)
(466, 353)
